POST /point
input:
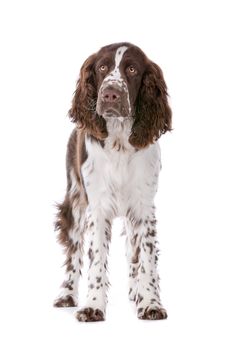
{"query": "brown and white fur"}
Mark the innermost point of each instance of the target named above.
(120, 109)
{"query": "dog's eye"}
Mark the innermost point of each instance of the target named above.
(103, 68)
(132, 70)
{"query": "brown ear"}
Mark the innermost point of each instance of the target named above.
(153, 114)
(83, 106)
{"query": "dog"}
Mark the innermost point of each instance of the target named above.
(120, 109)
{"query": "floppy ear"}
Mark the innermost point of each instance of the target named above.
(153, 114)
(83, 106)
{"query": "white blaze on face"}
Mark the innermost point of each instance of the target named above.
(115, 74)
(114, 77)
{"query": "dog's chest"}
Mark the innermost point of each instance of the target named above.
(117, 172)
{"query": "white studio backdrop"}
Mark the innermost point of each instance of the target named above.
(43, 44)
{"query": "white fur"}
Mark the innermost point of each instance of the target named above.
(115, 75)
(131, 176)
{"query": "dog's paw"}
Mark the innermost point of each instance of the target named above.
(152, 313)
(65, 301)
(89, 314)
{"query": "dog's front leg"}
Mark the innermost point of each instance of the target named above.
(148, 297)
(99, 230)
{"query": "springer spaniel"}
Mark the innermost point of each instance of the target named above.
(120, 109)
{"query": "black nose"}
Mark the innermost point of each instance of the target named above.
(110, 96)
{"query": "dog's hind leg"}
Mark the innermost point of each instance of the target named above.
(71, 224)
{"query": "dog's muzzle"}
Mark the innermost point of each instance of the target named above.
(113, 99)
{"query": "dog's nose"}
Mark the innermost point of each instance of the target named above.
(111, 96)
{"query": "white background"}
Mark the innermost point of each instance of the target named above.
(43, 44)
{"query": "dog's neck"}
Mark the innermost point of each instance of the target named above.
(119, 130)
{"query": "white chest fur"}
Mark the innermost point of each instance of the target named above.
(117, 177)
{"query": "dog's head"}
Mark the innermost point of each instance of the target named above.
(120, 81)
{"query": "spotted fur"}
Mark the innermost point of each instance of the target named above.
(108, 176)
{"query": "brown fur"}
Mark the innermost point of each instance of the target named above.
(76, 156)
(89, 314)
(68, 301)
(83, 104)
(152, 314)
(152, 116)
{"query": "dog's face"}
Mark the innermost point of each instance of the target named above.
(120, 81)
(118, 72)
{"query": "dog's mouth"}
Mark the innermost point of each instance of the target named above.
(111, 112)
(114, 109)
(114, 112)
